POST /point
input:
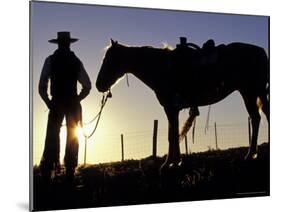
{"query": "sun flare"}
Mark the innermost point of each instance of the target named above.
(80, 134)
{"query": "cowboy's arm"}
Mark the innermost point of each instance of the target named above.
(43, 82)
(84, 80)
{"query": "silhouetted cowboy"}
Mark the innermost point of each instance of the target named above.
(63, 69)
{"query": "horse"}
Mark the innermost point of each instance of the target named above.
(184, 83)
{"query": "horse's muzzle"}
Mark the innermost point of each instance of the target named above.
(109, 94)
(101, 86)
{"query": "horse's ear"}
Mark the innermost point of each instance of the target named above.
(113, 42)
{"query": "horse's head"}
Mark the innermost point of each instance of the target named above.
(110, 70)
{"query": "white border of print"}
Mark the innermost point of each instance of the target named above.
(15, 102)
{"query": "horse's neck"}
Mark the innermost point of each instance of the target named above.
(144, 64)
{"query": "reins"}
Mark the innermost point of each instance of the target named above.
(98, 116)
(103, 102)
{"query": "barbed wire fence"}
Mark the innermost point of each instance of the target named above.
(141, 144)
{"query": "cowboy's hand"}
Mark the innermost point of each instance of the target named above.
(79, 98)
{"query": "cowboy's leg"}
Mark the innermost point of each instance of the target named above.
(52, 141)
(73, 116)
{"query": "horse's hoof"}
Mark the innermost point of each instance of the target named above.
(251, 156)
(170, 175)
(170, 167)
(164, 167)
(173, 166)
(182, 163)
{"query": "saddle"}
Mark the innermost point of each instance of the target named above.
(189, 55)
(209, 53)
(191, 64)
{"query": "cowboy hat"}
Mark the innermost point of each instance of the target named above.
(63, 37)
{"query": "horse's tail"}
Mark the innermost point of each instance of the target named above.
(193, 112)
(263, 97)
(186, 127)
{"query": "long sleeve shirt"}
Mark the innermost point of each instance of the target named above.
(83, 79)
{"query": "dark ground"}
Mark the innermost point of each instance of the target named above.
(208, 175)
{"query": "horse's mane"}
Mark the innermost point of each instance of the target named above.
(154, 49)
(166, 47)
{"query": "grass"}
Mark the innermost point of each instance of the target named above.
(206, 175)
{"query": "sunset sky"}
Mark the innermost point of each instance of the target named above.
(132, 109)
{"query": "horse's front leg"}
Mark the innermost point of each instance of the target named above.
(173, 157)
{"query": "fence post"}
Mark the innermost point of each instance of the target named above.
(216, 137)
(185, 141)
(122, 147)
(154, 139)
(249, 130)
(85, 151)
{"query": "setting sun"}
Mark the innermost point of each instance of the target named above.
(80, 134)
(81, 138)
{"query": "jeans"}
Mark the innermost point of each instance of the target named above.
(71, 110)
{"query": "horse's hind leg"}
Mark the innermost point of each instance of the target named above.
(265, 104)
(250, 100)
